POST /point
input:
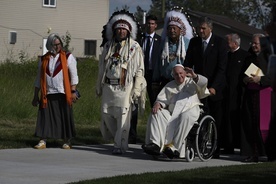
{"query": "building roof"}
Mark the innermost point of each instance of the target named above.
(228, 23)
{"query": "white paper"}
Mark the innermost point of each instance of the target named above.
(253, 69)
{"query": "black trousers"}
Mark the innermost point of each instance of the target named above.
(133, 125)
(215, 109)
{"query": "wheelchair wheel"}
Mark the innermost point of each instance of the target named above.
(206, 138)
(190, 154)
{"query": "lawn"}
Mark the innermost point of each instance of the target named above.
(18, 118)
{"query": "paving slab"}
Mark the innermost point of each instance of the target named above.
(59, 166)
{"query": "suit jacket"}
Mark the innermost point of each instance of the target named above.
(212, 64)
(155, 53)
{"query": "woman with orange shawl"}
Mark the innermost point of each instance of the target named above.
(56, 81)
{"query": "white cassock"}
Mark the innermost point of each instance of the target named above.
(180, 111)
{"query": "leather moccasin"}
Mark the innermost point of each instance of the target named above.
(40, 145)
(66, 146)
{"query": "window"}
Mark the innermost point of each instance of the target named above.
(12, 37)
(90, 47)
(49, 3)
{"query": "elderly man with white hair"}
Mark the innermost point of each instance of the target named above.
(175, 112)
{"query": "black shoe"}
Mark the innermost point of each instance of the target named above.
(117, 151)
(251, 159)
(216, 155)
(151, 149)
(271, 159)
(228, 151)
(168, 152)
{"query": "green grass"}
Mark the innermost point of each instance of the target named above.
(18, 118)
(262, 173)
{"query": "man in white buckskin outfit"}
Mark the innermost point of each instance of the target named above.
(120, 78)
(175, 112)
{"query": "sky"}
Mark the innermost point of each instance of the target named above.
(132, 4)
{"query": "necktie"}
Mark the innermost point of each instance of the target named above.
(204, 45)
(147, 52)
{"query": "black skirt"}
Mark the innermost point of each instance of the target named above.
(56, 120)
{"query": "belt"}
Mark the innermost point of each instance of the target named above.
(112, 81)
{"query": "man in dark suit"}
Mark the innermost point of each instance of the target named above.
(152, 53)
(233, 94)
(207, 54)
(150, 43)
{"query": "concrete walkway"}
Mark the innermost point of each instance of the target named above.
(58, 166)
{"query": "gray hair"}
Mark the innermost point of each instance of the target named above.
(259, 35)
(234, 38)
(50, 41)
(206, 20)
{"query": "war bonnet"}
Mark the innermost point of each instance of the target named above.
(121, 19)
(178, 19)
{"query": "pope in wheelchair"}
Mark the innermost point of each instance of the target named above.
(176, 110)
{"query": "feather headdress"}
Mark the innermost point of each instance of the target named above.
(121, 19)
(178, 19)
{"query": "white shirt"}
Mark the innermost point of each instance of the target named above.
(55, 83)
(208, 39)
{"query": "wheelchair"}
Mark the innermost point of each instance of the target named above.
(202, 139)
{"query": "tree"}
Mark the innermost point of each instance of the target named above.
(125, 7)
(66, 39)
(139, 14)
(256, 13)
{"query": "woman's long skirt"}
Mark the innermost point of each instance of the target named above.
(56, 120)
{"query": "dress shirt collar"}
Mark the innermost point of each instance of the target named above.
(208, 39)
(151, 35)
(236, 49)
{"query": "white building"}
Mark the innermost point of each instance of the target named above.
(25, 25)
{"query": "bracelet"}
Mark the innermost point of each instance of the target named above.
(73, 91)
(196, 77)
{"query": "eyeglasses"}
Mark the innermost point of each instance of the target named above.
(56, 44)
(254, 43)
